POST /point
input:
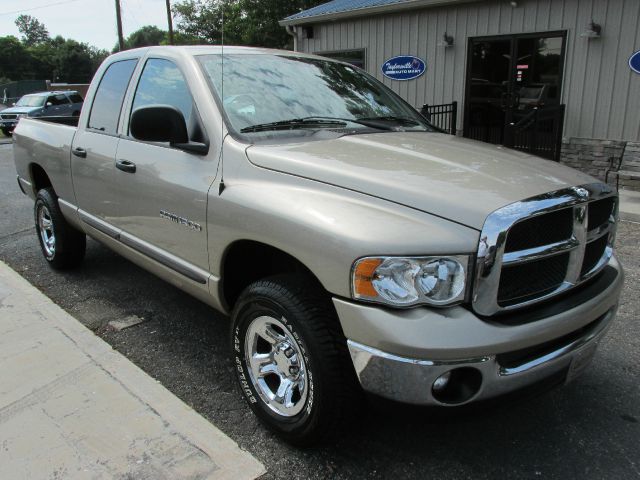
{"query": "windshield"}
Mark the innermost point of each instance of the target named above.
(31, 101)
(275, 94)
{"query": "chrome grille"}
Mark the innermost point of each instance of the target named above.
(532, 250)
(8, 116)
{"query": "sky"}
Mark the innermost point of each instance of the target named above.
(89, 21)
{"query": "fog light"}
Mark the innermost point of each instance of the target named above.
(441, 382)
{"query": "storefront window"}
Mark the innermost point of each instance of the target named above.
(354, 57)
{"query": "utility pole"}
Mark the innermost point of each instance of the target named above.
(170, 22)
(119, 22)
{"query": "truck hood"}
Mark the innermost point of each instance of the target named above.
(452, 177)
(18, 110)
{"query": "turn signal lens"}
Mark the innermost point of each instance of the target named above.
(408, 281)
(363, 276)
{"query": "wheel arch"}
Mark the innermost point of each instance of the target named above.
(39, 178)
(246, 261)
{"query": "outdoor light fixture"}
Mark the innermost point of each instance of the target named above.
(447, 41)
(593, 31)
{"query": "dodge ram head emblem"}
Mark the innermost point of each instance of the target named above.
(582, 192)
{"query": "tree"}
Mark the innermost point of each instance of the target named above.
(246, 22)
(14, 61)
(33, 32)
(146, 36)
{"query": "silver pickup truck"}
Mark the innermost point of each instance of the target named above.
(355, 247)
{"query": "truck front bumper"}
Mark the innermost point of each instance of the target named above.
(452, 357)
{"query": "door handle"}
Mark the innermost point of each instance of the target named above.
(126, 166)
(79, 152)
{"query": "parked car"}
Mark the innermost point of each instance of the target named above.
(43, 104)
(354, 247)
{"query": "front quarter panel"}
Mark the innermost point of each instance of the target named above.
(325, 227)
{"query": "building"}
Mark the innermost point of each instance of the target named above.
(569, 60)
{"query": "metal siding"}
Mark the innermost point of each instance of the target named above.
(597, 85)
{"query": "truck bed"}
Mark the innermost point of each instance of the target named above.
(46, 142)
(66, 120)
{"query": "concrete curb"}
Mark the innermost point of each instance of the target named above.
(87, 411)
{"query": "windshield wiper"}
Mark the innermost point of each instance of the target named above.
(317, 121)
(391, 118)
(295, 123)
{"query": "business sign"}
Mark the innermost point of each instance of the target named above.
(403, 67)
(634, 62)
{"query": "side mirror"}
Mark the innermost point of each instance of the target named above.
(49, 104)
(163, 123)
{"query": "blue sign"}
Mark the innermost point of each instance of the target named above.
(403, 67)
(634, 62)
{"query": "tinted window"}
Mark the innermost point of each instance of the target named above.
(354, 57)
(162, 83)
(58, 100)
(75, 98)
(107, 102)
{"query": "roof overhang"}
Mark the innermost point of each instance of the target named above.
(377, 10)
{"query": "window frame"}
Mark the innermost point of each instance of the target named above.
(87, 127)
(126, 127)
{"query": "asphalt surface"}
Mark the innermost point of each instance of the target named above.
(589, 429)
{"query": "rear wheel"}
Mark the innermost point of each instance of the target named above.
(62, 245)
(292, 361)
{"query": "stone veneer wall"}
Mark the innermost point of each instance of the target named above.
(592, 156)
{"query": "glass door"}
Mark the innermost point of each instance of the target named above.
(507, 77)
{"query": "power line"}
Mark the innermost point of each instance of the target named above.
(23, 10)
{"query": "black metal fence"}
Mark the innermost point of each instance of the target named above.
(11, 92)
(538, 131)
(443, 116)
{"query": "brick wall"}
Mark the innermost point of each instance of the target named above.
(592, 156)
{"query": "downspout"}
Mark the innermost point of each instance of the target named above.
(291, 30)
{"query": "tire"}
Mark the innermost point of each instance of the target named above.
(7, 132)
(305, 339)
(62, 245)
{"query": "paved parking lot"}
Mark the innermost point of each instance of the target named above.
(590, 429)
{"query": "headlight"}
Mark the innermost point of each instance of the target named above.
(407, 281)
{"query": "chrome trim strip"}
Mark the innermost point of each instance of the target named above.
(20, 184)
(425, 363)
(536, 253)
(580, 219)
(99, 225)
(578, 343)
(603, 229)
(491, 255)
(187, 270)
(411, 380)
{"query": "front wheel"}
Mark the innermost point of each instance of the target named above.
(62, 245)
(292, 361)
(7, 132)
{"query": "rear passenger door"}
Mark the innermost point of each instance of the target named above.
(94, 148)
(163, 199)
(56, 106)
